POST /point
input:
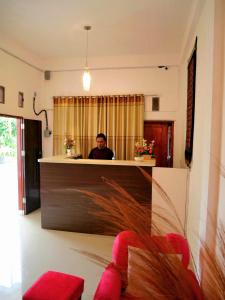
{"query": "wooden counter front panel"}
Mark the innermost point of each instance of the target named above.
(64, 208)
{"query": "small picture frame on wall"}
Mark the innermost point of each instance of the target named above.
(2, 94)
(20, 99)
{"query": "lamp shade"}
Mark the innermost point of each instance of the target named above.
(86, 80)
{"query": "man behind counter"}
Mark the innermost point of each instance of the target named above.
(101, 151)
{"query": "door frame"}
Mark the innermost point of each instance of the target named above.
(20, 164)
(168, 122)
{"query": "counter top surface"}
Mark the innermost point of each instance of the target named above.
(61, 159)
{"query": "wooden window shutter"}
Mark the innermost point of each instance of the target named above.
(190, 105)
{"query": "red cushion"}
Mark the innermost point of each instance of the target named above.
(170, 242)
(120, 248)
(109, 287)
(120, 251)
(54, 285)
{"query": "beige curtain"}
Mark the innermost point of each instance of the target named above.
(75, 117)
(125, 123)
(121, 118)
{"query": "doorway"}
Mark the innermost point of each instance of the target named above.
(9, 164)
(163, 134)
(20, 149)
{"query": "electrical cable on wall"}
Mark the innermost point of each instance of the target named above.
(47, 132)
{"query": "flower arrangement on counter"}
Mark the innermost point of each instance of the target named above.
(69, 143)
(144, 148)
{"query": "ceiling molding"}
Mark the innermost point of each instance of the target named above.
(21, 60)
(164, 67)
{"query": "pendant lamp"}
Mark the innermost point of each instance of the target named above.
(86, 75)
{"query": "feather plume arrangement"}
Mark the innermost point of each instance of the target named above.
(159, 277)
(214, 267)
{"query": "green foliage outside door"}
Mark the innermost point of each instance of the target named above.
(8, 138)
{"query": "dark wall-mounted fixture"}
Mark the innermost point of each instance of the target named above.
(47, 75)
(155, 103)
(2, 94)
(47, 132)
(20, 99)
(163, 67)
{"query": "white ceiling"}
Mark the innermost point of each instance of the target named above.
(54, 28)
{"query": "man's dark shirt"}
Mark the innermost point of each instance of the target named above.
(104, 153)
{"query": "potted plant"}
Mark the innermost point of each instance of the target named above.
(69, 143)
(144, 150)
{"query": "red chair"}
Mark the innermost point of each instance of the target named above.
(60, 286)
(170, 244)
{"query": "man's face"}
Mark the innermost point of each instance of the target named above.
(101, 143)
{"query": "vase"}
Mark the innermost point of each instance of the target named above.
(68, 152)
(147, 156)
(139, 158)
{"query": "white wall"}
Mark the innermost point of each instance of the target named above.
(221, 210)
(175, 183)
(199, 173)
(16, 76)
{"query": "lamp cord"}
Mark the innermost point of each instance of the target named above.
(43, 110)
(86, 65)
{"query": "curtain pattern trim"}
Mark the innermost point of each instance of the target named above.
(99, 99)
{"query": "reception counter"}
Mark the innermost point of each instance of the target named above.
(63, 207)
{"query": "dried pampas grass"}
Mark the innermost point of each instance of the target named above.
(159, 277)
(214, 268)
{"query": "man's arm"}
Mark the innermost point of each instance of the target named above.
(90, 156)
(111, 154)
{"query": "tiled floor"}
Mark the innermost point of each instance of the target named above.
(27, 251)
